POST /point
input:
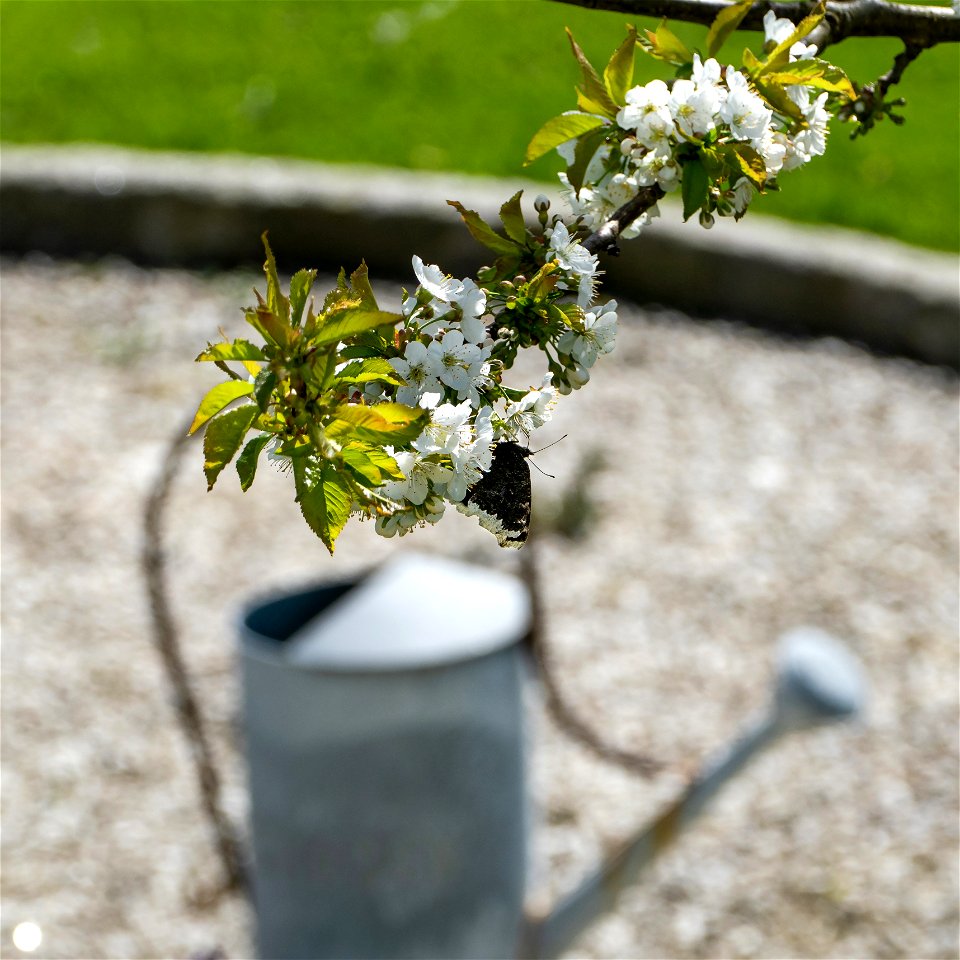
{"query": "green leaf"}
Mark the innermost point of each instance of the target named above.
(263, 388)
(238, 350)
(384, 463)
(618, 73)
(270, 326)
(695, 187)
(593, 92)
(542, 283)
(373, 370)
(358, 351)
(360, 284)
(223, 438)
(279, 305)
(340, 293)
(583, 153)
(749, 162)
(511, 216)
(325, 499)
(813, 73)
(217, 398)
(751, 63)
(664, 44)
(348, 322)
(371, 466)
(300, 284)
(778, 99)
(391, 423)
(482, 232)
(247, 461)
(559, 130)
(726, 21)
(715, 161)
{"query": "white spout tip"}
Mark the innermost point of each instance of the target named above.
(819, 680)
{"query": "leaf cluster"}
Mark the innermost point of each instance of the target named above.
(301, 395)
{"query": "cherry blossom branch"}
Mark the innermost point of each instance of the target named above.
(604, 240)
(920, 25)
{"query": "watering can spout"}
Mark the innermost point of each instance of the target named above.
(818, 681)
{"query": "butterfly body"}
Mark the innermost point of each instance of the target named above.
(500, 499)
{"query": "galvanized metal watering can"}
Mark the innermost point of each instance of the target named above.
(385, 738)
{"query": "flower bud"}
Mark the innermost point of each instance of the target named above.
(541, 204)
(706, 219)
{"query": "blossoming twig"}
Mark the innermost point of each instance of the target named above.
(394, 416)
(926, 25)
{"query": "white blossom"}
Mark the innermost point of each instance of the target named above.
(776, 29)
(434, 280)
(597, 336)
(694, 108)
(747, 115)
(706, 73)
(743, 193)
(813, 140)
(415, 484)
(472, 458)
(473, 303)
(570, 253)
(803, 51)
(449, 423)
(574, 259)
(772, 146)
(647, 112)
(459, 364)
(658, 167)
(419, 369)
(401, 521)
(533, 410)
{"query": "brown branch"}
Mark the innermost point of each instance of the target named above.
(922, 26)
(604, 240)
(167, 643)
(901, 61)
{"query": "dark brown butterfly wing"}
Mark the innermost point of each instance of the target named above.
(500, 499)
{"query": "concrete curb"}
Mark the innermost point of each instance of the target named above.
(195, 210)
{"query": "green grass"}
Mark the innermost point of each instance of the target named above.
(441, 85)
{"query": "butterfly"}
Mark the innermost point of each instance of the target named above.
(500, 499)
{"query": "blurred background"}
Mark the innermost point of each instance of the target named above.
(429, 86)
(718, 486)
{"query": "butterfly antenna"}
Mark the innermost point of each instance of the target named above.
(544, 472)
(533, 453)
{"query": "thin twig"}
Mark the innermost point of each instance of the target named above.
(901, 61)
(165, 636)
(566, 719)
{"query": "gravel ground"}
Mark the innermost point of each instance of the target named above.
(747, 485)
